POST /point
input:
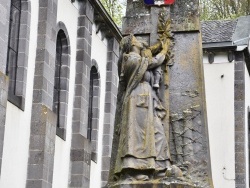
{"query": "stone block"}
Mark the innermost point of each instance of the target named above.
(41, 41)
(106, 151)
(239, 157)
(95, 123)
(239, 126)
(76, 181)
(239, 66)
(77, 167)
(239, 105)
(37, 142)
(83, 21)
(82, 32)
(35, 171)
(77, 155)
(106, 140)
(77, 141)
(239, 75)
(240, 185)
(107, 108)
(36, 157)
(44, 3)
(240, 168)
(79, 56)
(95, 112)
(87, 9)
(239, 147)
(43, 14)
(239, 117)
(87, 61)
(65, 71)
(107, 128)
(22, 60)
(105, 175)
(34, 183)
(25, 6)
(239, 56)
(64, 83)
(105, 163)
(94, 135)
(42, 28)
(239, 137)
(81, 42)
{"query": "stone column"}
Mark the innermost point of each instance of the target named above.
(80, 151)
(4, 81)
(239, 114)
(43, 120)
(110, 107)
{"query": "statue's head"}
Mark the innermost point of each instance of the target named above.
(137, 43)
(129, 41)
(126, 44)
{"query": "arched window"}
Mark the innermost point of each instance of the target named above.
(18, 49)
(93, 110)
(61, 83)
(93, 96)
(14, 29)
(57, 81)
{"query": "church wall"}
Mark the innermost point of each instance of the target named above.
(219, 86)
(17, 129)
(15, 154)
(99, 54)
(34, 154)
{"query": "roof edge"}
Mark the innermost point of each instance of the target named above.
(218, 45)
(108, 20)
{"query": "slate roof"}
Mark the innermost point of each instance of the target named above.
(242, 31)
(218, 30)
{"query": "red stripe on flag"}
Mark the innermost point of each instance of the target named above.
(168, 2)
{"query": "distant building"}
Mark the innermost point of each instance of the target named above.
(58, 87)
(226, 60)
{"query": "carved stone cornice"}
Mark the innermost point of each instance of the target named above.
(104, 22)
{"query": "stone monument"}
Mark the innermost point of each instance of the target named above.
(161, 137)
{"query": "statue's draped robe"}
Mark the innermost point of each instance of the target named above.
(142, 143)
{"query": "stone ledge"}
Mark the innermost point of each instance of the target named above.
(167, 182)
(150, 185)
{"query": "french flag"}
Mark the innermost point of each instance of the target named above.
(159, 2)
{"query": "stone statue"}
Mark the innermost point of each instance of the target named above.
(160, 137)
(143, 150)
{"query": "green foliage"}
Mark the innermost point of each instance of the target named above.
(114, 8)
(223, 9)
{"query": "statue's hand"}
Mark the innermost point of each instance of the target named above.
(165, 46)
(146, 53)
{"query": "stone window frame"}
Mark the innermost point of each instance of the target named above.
(17, 97)
(64, 81)
(93, 123)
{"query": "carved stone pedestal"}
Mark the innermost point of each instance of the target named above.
(151, 185)
(158, 183)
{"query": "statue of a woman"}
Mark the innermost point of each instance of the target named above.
(143, 149)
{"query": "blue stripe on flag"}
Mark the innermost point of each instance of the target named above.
(149, 2)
